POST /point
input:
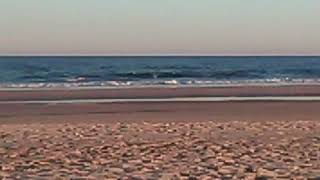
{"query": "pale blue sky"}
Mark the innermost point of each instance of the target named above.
(160, 27)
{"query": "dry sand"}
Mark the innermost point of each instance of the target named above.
(193, 150)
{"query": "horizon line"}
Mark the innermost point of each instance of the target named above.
(159, 55)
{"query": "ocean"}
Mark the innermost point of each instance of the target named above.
(112, 72)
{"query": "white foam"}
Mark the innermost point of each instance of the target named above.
(158, 83)
(180, 99)
(171, 82)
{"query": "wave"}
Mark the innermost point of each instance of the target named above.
(224, 74)
(37, 68)
(155, 75)
(214, 74)
(33, 77)
(238, 74)
(302, 72)
(172, 82)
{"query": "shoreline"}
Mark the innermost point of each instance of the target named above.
(154, 93)
(172, 100)
(168, 86)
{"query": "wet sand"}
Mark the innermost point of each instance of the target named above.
(241, 91)
(159, 112)
(160, 140)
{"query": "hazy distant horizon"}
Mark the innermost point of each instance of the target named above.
(159, 28)
(159, 55)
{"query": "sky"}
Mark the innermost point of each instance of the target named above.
(159, 27)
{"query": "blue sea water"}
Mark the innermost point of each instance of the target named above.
(74, 72)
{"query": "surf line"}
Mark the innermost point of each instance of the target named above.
(178, 99)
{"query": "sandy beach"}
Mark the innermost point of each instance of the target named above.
(160, 140)
(159, 90)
